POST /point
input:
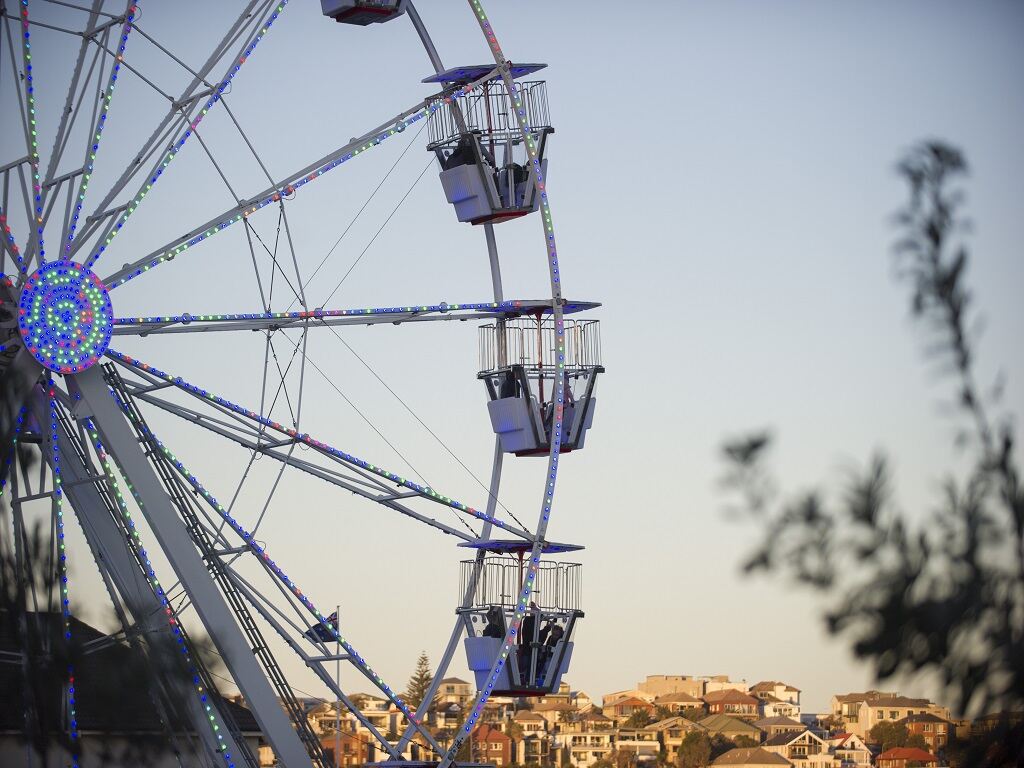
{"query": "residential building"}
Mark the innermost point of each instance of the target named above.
(534, 745)
(640, 742)
(678, 702)
(660, 685)
(771, 706)
(533, 750)
(730, 727)
(633, 693)
(447, 716)
(731, 702)
(846, 706)
(590, 738)
(323, 717)
(555, 712)
(773, 726)
(986, 724)
(581, 701)
(375, 709)
(670, 734)
(489, 744)
(354, 748)
(860, 712)
(935, 730)
(530, 723)
(453, 690)
(902, 757)
(750, 757)
(723, 683)
(622, 710)
(803, 747)
(851, 750)
(768, 689)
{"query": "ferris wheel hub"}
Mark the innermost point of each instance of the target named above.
(65, 316)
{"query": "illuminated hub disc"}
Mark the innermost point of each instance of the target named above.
(65, 316)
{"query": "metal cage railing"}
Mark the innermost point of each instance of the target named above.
(531, 344)
(489, 111)
(557, 586)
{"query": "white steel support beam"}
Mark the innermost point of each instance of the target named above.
(113, 556)
(210, 605)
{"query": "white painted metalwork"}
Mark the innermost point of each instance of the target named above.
(85, 405)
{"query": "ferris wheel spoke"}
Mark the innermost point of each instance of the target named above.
(72, 106)
(475, 711)
(27, 113)
(319, 446)
(273, 321)
(10, 241)
(99, 122)
(289, 184)
(291, 635)
(251, 27)
(370, 482)
(274, 569)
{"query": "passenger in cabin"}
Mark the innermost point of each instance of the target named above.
(551, 634)
(462, 154)
(495, 624)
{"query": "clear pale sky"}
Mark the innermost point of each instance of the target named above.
(721, 180)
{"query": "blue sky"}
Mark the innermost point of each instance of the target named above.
(722, 181)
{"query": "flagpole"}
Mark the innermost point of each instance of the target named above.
(337, 684)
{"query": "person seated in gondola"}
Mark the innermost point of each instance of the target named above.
(495, 623)
(465, 154)
(550, 635)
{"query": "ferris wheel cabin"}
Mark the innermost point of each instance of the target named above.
(486, 172)
(542, 649)
(518, 365)
(362, 12)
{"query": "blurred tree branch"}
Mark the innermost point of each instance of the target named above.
(940, 593)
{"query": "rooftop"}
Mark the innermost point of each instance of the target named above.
(923, 717)
(771, 685)
(729, 696)
(677, 698)
(782, 739)
(726, 724)
(525, 714)
(907, 753)
(770, 722)
(751, 756)
(632, 701)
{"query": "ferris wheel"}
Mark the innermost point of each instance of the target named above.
(144, 509)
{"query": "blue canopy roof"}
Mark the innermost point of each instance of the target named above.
(475, 72)
(509, 546)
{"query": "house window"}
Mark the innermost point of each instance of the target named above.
(894, 715)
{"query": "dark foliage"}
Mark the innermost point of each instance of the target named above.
(47, 654)
(941, 593)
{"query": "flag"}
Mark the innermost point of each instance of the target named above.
(322, 633)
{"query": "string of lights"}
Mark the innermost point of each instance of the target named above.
(101, 122)
(272, 567)
(57, 508)
(139, 551)
(306, 439)
(558, 395)
(172, 152)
